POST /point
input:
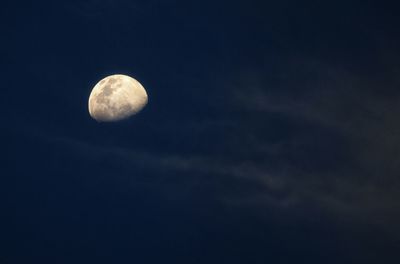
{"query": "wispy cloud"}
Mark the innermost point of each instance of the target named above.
(352, 107)
(255, 168)
(345, 193)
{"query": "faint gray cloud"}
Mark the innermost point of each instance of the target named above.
(342, 196)
(351, 105)
(264, 173)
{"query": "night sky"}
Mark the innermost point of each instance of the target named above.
(271, 135)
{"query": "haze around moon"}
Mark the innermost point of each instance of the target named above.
(116, 97)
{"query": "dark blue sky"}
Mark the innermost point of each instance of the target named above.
(271, 134)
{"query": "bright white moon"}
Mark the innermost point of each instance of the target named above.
(116, 97)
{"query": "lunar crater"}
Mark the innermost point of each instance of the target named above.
(107, 90)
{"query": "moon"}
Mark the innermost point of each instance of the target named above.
(116, 97)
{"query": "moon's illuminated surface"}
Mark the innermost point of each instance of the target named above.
(116, 97)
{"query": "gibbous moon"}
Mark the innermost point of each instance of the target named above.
(116, 97)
